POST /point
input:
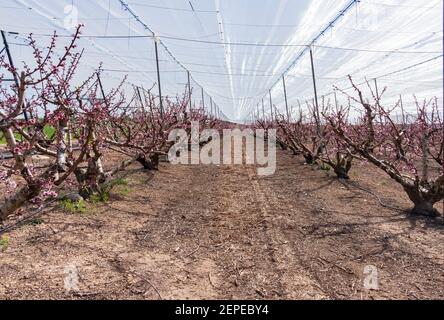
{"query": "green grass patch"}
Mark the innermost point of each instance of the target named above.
(325, 167)
(17, 136)
(99, 197)
(4, 243)
(118, 182)
(73, 206)
(121, 186)
(124, 191)
(48, 130)
(36, 221)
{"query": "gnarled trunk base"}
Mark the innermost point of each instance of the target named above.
(424, 209)
(423, 200)
(152, 163)
(341, 172)
(309, 158)
(89, 179)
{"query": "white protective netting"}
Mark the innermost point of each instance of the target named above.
(237, 50)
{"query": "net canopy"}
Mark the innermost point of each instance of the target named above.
(236, 55)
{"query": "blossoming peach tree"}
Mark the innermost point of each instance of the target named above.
(73, 126)
(408, 147)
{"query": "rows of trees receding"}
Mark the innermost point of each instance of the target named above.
(75, 126)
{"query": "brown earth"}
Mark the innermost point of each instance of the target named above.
(222, 232)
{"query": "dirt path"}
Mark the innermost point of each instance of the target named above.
(222, 232)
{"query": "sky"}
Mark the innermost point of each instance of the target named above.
(239, 51)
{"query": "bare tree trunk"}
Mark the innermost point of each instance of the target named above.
(89, 179)
(19, 159)
(343, 166)
(425, 165)
(18, 199)
(70, 141)
(24, 194)
(97, 155)
(62, 145)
